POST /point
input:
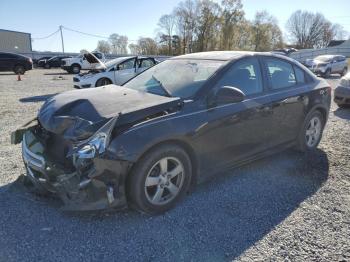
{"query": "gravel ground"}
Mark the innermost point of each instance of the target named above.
(290, 206)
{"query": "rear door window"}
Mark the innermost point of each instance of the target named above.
(280, 73)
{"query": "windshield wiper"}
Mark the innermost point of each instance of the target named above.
(162, 86)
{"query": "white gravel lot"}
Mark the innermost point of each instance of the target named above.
(289, 207)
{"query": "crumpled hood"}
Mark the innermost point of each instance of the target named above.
(78, 114)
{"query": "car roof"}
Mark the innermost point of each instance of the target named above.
(228, 55)
(325, 56)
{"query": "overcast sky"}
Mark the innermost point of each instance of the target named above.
(133, 18)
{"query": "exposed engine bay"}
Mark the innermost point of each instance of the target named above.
(66, 148)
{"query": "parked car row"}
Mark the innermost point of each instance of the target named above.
(146, 143)
(19, 64)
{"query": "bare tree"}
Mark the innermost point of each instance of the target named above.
(207, 25)
(148, 46)
(186, 18)
(231, 17)
(309, 30)
(103, 46)
(118, 43)
(134, 49)
(266, 34)
(166, 24)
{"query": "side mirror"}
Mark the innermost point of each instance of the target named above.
(227, 95)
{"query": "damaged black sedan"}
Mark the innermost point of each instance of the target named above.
(146, 143)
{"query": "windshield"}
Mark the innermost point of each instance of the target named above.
(52, 58)
(178, 78)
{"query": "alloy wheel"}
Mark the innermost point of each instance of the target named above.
(164, 181)
(313, 131)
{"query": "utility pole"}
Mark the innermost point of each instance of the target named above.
(62, 39)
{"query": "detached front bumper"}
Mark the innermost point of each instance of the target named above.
(100, 187)
(319, 70)
(342, 95)
(80, 84)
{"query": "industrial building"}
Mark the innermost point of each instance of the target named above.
(16, 42)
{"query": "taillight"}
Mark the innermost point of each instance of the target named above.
(30, 60)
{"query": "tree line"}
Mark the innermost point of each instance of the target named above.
(204, 25)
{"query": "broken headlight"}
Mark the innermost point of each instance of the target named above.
(96, 145)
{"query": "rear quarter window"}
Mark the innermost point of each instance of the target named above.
(300, 75)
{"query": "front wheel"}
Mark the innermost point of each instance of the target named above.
(343, 73)
(47, 66)
(103, 82)
(311, 133)
(160, 179)
(327, 74)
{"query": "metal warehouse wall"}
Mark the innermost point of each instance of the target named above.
(16, 42)
(342, 49)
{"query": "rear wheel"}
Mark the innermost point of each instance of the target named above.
(103, 82)
(160, 179)
(311, 133)
(19, 69)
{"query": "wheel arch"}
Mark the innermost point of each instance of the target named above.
(19, 64)
(322, 109)
(104, 77)
(186, 147)
(75, 64)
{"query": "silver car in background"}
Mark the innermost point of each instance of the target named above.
(342, 92)
(325, 65)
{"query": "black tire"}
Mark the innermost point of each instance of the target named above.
(35, 188)
(138, 192)
(343, 73)
(47, 66)
(327, 74)
(302, 144)
(103, 82)
(19, 69)
(75, 69)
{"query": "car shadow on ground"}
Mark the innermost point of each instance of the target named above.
(33, 99)
(8, 74)
(343, 113)
(221, 219)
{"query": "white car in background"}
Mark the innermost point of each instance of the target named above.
(116, 71)
(73, 65)
(325, 65)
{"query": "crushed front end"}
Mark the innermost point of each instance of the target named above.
(84, 175)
